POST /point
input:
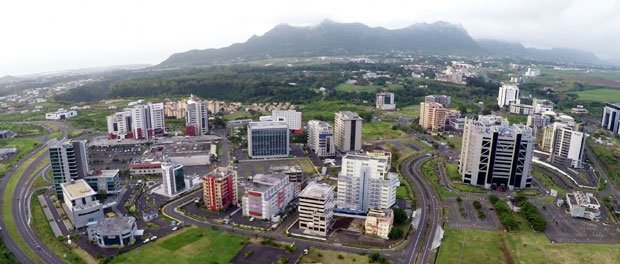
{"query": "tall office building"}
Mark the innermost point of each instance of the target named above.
(385, 101)
(69, 161)
(611, 117)
(268, 139)
(321, 138)
(348, 131)
(119, 125)
(564, 141)
(496, 156)
(433, 116)
(316, 209)
(148, 120)
(196, 118)
(173, 178)
(440, 99)
(291, 117)
(140, 121)
(220, 189)
(550, 131)
(508, 94)
(365, 181)
(267, 196)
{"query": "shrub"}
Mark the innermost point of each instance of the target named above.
(340, 257)
(477, 205)
(400, 216)
(396, 233)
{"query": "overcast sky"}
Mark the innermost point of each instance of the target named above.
(50, 35)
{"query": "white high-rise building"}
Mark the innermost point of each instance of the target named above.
(173, 178)
(385, 101)
(196, 117)
(348, 131)
(564, 142)
(316, 209)
(365, 182)
(508, 94)
(140, 121)
(291, 117)
(119, 125)
(496, 156)
(321, 138)
(611, 118)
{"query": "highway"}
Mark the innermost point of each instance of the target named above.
(21, 209)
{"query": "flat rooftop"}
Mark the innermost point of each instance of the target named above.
(115, 225)
(78, 189)
(348, 115)
(316, 191)
(105, 173)
(268, 179)
(267, 125)
(368, 156)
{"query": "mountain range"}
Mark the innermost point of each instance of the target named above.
(331, 38)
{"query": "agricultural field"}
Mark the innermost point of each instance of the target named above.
(192, 245)
(525, 246)
(599, 95)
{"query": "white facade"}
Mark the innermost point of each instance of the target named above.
(197, 116)
(583, 205)
(385, 101)
(120, 125)
(496, 155)
(611, 118)
(521, 109)
(379, 222)
(60, 114)
(316, 208)
(321, 138)
(141, 121)
(508, 94)
(173, 178)
(541, 106)
(291, 117)
(267, 196)
(564, 142)
(365, 181)
(348, 131)
(81, 204)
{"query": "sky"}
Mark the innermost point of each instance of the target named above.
(45, 36)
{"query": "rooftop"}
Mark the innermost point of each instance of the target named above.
(78, 189)
(348, 115)
(115, 225)
(104, 173)
(221, 172)
(316, 190)
(380, 156)
(268, 179)
(267, 124)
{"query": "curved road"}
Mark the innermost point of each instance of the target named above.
(21, 209)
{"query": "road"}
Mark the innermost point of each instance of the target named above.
(21, 209)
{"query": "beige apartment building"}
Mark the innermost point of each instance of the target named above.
(433, 116)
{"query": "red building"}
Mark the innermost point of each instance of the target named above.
(220, 189)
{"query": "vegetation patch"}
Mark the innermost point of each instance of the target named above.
(598, 95)
(380, 130)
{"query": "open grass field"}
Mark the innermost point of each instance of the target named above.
(609, 158)
(452, 171)
(43, 230)
(316, 255)
(7, 200)
(23, 130)
(324, 110)
(192, 245)
(23, 146)
(526, 246)
(599, 95)
(410, 111)
(515, 119)
(380, 130)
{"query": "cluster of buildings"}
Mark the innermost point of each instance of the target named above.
(435, 114)
(268, 107)
(457, 72)
(60, 114)
(139, 121)
(177, 109)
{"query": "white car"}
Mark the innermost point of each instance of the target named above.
(146, 240)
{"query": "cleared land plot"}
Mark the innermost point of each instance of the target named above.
(411, 111)
(482, 246)
(253, 167)
(193, 245)
(380, 130)
(254, 253)
(327, 256)
(598, 95)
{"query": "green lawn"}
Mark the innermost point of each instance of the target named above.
(515, 119)
(452, 170)
(411, 111)
(402, 192)
(316, 255)
(7, 200)
(23, 130)
(325, 110)
(599, 95)
(192, 245)
(380, 130)
(526, 246)
(429, 169)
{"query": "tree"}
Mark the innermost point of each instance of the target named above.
(493, 199)
(400, 216)
(509, 222)
(395, 233)
(477, 205)
(367, 116)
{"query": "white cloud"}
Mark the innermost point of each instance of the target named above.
(51, 35)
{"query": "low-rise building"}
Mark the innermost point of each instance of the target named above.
(521, 109)
(379, 222)
(385, 101)
(579, 110)
(267, 196)
(104, 181)
(220, 189)
(583, 205)
(294, 173)
(60, 114)
(316, 209)
(80, 203)
(113, 232)
(7, 134)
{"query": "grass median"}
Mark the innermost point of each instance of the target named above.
(7, 202)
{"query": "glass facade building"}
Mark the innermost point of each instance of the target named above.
(268, 140)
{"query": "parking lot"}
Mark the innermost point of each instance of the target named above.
(469, 217)
(562, 228)
(113, 157)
